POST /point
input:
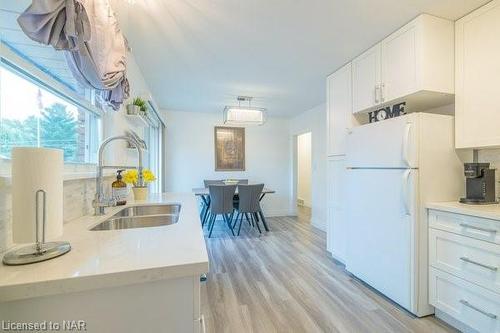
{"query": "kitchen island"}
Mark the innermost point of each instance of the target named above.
(129, 280)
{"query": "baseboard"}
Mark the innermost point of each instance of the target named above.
(337, 259)
(318, 224)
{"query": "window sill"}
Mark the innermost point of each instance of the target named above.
(6, 180)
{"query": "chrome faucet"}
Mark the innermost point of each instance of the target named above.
(100, 202)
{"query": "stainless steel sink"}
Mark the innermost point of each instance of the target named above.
(149, 210)
(141, 217)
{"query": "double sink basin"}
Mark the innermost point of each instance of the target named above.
(141, 217)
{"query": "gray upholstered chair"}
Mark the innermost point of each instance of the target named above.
(236, 197)
(206, 199)
(249, 205)
(221, 203)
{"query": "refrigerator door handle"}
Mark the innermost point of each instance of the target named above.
(406, 143)
(406, 189)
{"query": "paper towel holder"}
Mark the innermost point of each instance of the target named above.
(39, 251)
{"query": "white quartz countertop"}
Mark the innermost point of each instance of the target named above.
(485, 211)
(103, 259)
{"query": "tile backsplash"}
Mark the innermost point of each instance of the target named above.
(77, 202)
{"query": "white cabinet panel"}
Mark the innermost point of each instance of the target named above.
(414, 64)
(473, 260)
(477, 101)
(366, 79)
(464, 271)
(465, 225)
(339, 109)
(399, 64)
(474, 306)
(336, 229)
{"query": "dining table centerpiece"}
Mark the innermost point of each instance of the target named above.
(132, 177)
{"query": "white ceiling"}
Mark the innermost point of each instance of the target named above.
(198, 55)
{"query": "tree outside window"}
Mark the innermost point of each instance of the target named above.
(33, 117)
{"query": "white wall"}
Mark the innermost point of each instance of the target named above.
(304, 168)
(314, 121)
(190, 156)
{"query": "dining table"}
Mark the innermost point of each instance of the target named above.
(204, 195)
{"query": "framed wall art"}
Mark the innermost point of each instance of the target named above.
(229, 148)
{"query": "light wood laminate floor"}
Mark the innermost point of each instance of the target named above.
(285, 281)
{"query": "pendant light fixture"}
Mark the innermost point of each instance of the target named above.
(244, 115)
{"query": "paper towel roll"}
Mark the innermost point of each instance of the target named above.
(34, 169)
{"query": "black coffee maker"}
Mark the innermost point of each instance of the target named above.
(479, 183)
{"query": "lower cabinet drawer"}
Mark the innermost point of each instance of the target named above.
(470, 226)
(473, 260)
(474, 306)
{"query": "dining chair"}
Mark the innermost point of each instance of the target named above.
(236, 196)
(206, 199)
(221, 203)
(249, 205)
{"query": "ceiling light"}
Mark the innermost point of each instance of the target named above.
(244, 115)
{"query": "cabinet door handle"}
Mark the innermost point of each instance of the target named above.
(492, 231)
(382, 92)
(491, 268)
(377, 92)
(487, 314)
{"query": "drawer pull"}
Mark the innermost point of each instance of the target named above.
(491, 268)
(493, 231)
(488, 314)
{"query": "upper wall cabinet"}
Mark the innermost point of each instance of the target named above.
(366, 79)
(414, 64)
(477, 100)
(339, 109)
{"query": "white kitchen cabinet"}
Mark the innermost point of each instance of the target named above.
(166, 305)
(399, 63)
(339, 109)
(336, 222)
(464, 265)
(414, 64)
(366, 79)
(477, 99)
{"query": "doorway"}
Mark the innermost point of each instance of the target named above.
(303, 176)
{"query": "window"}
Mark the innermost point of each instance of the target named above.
(41, 104)
(153, 135)
(31, 115)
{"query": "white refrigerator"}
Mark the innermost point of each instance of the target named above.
(393, 168)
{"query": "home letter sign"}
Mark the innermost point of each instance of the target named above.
(387, 112)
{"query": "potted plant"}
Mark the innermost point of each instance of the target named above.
(138, 106)
(132, 177)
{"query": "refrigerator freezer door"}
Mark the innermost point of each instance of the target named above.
(381, 214)
(389, 143)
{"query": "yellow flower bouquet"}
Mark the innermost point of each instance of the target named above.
(132, 177)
